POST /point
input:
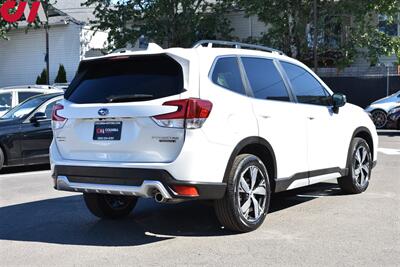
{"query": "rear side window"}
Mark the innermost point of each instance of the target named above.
(5, 101)
(226, 74)
(22, 96)
(306, 88)
(126, 79)
(265, 80)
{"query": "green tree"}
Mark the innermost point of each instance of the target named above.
(349, 27)
(61, 75)
(42, 78)
(38, 80)
(167, 22)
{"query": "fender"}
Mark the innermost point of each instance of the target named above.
(249, 141)
(356, 132)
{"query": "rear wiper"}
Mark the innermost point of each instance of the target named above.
(128, 98)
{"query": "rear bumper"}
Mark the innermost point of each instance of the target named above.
(128, 181)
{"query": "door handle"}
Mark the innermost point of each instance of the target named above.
(265, 116)
(311, 118)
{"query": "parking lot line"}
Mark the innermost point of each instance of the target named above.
(389, 151)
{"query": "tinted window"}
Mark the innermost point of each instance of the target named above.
(227, 74)
(265, 80)
(5, 101)
(306, 88)
(126, 79)
(22, 96)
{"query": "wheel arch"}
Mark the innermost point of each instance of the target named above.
(378, 109)
(364, 133)
(259, 147)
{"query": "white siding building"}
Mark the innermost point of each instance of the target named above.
(22, 57)
(245, 27)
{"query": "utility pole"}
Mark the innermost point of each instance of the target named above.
(387, 79)
(46, 27)
(315, 43)
(47, 57)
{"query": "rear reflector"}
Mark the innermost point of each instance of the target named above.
(187, 191)
(191, 114)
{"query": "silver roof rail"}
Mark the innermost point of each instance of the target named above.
(237, 45)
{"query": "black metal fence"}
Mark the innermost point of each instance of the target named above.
(362, 91)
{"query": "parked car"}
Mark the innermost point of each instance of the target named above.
(232, 124)
(380, 108)
(12, 96)
(394, 118)
(25, 131)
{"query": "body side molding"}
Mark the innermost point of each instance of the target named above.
(284, 183)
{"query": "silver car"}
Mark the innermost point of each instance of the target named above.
(380, 108)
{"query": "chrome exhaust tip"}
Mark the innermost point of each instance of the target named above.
(159, 198)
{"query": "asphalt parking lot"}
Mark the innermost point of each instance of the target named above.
(317, 225)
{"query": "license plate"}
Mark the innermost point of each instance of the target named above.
(107, 130)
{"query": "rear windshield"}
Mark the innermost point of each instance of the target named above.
(126, 79)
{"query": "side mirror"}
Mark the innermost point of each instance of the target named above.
(338, 101)
(38, 116)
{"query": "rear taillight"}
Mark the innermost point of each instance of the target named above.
(191, 114)
(57, 121)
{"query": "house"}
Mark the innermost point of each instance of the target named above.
(22, 57)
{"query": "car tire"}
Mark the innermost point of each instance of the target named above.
(109, 206)
(359, 168)
(1, 159)
(246, 201)
(379, 117)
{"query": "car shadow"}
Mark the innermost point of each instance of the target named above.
(67, 221)
(389, 133)
(22, 169)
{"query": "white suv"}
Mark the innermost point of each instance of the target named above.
(216, 123)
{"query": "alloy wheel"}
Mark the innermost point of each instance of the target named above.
(252, 194)
(361, 166)
(379, 118)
